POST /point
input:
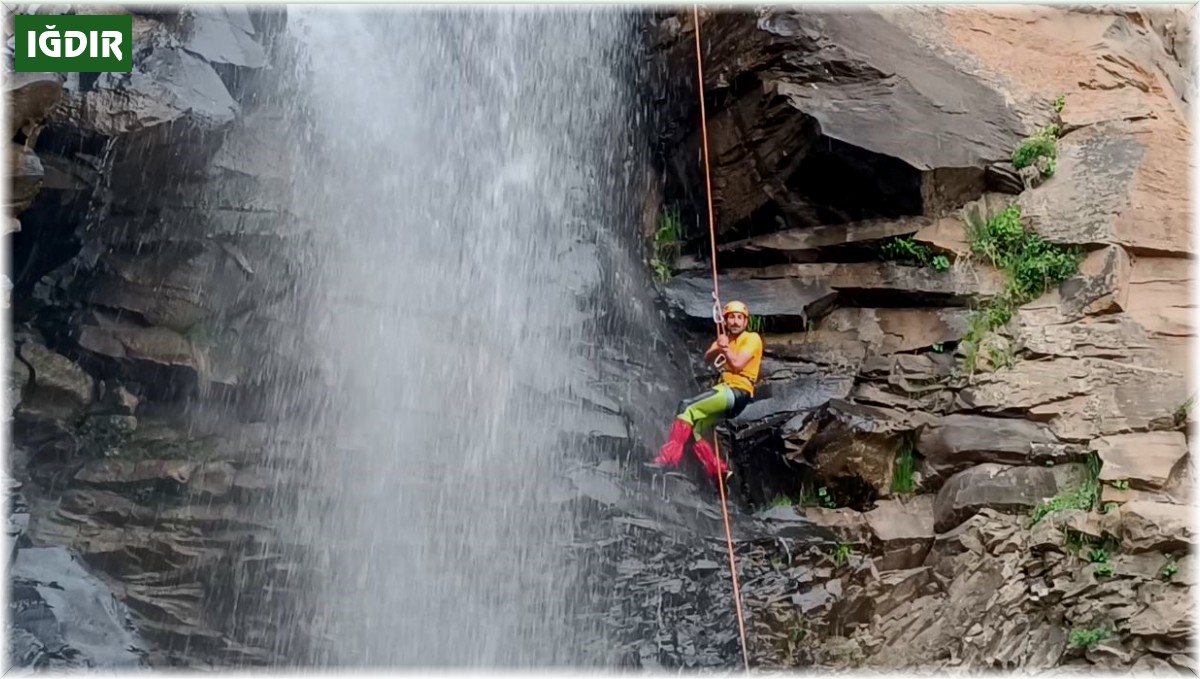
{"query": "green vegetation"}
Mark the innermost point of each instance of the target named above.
(1085, 637)
(1030, 265)
(1183, 412)
(841, 553)
(905, 249)
(1082, 497)
(1121, 484)
(1060, 103)
(667, 240)
(902, 473)
(1044, 144)
(755, 323)
(1170, 568)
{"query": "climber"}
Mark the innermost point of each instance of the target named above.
(742, 351)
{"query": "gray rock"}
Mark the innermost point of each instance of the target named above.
(993, 486)
(778, 297)
(64, 617)
(58, 389)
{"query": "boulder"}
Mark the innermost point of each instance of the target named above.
(775, 297)
(25, 174)
(31, 96)
(1146, 460)
(902, 532)
(836, 131)
(858, 444)
(1155, 526)
(805, 240)
(1160, 296)
(58, 388)
(992, 486)
(958, 441)
(956, 286)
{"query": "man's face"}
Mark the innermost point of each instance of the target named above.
(735, 321)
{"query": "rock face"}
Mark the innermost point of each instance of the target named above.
(148, 257)
(1023, 510)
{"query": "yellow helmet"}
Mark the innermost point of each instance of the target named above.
(736, 308)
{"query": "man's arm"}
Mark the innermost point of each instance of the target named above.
(739, 360)
(713, 350)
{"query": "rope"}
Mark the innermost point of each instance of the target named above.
(712, 237)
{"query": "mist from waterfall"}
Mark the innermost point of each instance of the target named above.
(456, 168)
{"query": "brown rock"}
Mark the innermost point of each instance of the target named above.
(947, 234)
(856, 443)
(957, 286)
(31, 96)
(1155, 526)
(770, 139)
(766, 296)
(1101, 286)
(903, 532)
(957, 441)
(1160, 297)
(1082, 399)
(847, 524)
(801, 240)
(1146, 460)
(994, 486)
(1166, 615)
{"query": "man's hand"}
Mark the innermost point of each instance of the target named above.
(723, 341)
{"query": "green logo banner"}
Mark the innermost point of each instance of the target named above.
(79, 43)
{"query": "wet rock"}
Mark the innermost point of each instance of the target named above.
(993, 486)
(18, 378)
(1145, 460)
(790, 396)
(62, 617)
(26, 174)
(776, 297)
(30, 98)
(58, 389)
(224, 35)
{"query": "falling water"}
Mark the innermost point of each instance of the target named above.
(456, 168)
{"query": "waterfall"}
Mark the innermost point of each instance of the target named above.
(457, 169)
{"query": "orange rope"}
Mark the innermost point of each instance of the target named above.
(712, 235)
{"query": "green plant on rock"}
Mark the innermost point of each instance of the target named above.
(1180, 417)
(902, 472)
(1083, 496)
(667, 240)
(755, 323)
(1044, 144)
(1087, 637)
(1031, 265)
(1060, 103)
(905, 249)
(1170, 568)
(1103, 569)
(841, 553)
(825, 498)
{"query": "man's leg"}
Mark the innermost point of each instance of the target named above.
(705, 451)
(702, 408)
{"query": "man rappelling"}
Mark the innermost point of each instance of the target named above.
(738, 353)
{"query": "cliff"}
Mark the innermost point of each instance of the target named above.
(965, 237)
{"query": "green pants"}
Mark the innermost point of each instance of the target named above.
(704, 411)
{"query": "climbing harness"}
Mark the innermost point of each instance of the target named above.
(720, 321)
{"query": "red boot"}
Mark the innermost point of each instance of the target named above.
(671, 454)
(715, 467)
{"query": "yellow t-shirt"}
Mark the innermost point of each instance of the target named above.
(747, 342)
